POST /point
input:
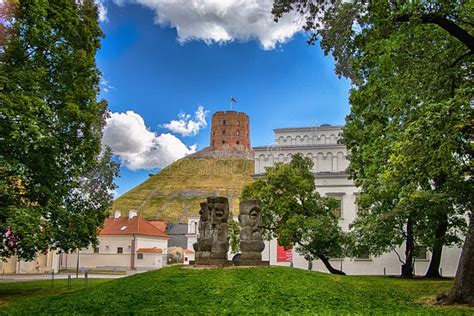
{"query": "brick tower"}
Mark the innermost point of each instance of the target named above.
(230, 131)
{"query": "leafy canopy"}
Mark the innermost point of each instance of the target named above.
(294, 212)
(55, 185)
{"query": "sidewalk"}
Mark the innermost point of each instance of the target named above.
(37, 277)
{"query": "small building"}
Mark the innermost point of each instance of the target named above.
(188, 256)
(125, 243)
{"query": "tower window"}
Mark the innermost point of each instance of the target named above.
(238, 143)
(223, 132)
(238, 122)
(224, 122)
(237, 133)
(223, 142)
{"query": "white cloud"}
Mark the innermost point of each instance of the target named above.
(102, 10)
(186, 125)
(223, 21)
(137, 146)
(105, 85)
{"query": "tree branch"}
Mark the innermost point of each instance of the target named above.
(399, 258)
(451, 27)
(461, 58)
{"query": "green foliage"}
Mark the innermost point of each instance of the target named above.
(338, 24)
(294, 212)
(275, 290)
(410, 125)
(54, 185)
(234, 234)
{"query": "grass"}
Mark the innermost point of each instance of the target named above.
(276, 290)
(174, 193)
(18, 292)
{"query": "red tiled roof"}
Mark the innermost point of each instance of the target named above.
(188, 251)
(154, 250)
(131, 226)
(161, 225)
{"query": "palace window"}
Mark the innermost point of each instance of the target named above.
(96, 249)
(338, 211)
(139, 256)
(119, 250)
(223, 132)
(363, 256)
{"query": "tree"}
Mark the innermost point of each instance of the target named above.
(234, 235)
(411, 119)
(294, 212)
(55, 185)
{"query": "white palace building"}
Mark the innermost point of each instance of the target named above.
(330, 162)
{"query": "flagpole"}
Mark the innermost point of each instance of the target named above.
(232, 101)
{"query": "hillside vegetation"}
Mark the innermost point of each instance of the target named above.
(275, 290)
(175, 192)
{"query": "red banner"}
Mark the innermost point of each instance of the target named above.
(284, 255)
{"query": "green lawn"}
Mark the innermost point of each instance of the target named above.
(180, 290)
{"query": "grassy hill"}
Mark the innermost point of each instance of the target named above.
(275, 290)
(175, 193)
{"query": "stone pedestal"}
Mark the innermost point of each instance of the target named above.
(252, 263)
(213, 263)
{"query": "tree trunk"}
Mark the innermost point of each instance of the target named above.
(407, 267)
(433, 269)
(462, 291)
(328, 265)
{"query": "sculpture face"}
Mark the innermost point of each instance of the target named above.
(250, 215)
(254, 217)
(219, 210)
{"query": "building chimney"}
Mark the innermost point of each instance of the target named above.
(117, 214)
(132, 213)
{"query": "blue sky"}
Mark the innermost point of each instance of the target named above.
(148, 69)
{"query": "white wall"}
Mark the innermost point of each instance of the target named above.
(319, 135)
(331, 158)
(150, 261)
(98, 260)
(372, 266)
(152, 242)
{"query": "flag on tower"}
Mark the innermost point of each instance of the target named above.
(233, 100)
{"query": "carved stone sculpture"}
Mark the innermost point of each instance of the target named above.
(213, 243)
(251, 241)
(219, 211)
(204, 240)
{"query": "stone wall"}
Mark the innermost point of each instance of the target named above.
(230, 131)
